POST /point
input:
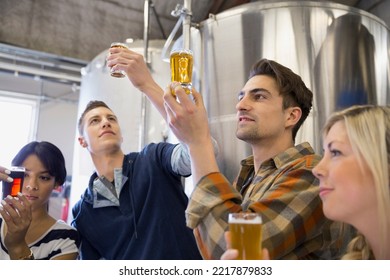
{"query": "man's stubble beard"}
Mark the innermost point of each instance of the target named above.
(248, 136)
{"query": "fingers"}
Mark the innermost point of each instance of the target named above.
(265, 254)
(13, 208)
(179, 95)
(16, 213)
(228, 239)
(4, 174)
(4, 170)
(114, 51)
(173, 91)
(176, 90)
(8, 210)
(230, 254)
(24, 200)
(169, 95)
(197, 97)
(120, 56)
(133, 64)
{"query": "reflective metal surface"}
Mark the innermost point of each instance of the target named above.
(341, 53)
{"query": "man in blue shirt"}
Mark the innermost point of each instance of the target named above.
(134, 205)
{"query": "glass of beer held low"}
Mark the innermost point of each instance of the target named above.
(181, 62)
(118, 73)
(246, 235)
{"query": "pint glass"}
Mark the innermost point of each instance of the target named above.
(17, 173)
(246, 235)
(181, 62)
(118, 73)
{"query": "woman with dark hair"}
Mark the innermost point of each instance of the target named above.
(27, 230)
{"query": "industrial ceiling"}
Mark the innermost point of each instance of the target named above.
(82, 29)
(67, 34)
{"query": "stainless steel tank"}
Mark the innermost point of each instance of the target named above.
(340, 52)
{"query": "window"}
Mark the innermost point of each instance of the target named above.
(18, 119)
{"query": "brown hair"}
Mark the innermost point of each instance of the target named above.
(90, 106)
(291, 87)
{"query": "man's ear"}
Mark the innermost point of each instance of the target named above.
(82, 142)
(293, 115)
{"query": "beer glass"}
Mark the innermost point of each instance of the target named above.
(246, 235)
(181, 62)
(118, 73)
(12, 188)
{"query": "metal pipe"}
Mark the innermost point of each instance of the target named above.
(40, 72)
(158, 21)
(187, 24)
(147, 5)
(184, 13)
(22, 52)
(143, 123)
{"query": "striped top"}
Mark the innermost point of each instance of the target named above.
(59, 240)
(284, 191)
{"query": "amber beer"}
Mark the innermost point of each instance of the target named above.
(181, 62)
(246, 235)
(12, 188)
(118, 73)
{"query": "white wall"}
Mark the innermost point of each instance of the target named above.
(57, 124)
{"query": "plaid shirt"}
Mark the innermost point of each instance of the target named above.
(284, 191)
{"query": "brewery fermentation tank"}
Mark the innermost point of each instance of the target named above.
(341, 53)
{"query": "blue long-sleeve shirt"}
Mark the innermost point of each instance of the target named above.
(147, 220)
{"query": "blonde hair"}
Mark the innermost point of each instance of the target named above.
(368, 129)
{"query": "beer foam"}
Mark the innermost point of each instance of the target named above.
(245, 220)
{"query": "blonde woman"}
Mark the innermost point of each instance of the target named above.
(354, 177)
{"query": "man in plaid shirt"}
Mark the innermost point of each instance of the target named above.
(276, 180)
